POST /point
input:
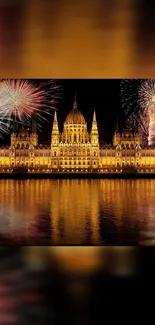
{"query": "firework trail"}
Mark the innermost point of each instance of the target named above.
(4, 128)
(53, 95)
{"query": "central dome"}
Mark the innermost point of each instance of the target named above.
(75, 116)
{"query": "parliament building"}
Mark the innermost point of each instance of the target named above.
(76, 149)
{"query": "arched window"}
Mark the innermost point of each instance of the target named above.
(95, 154)
(75, 138)
(55, 153)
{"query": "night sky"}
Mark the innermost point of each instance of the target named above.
(103, 95)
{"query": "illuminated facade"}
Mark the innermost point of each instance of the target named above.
(76, 149)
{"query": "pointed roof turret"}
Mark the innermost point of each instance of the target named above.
(55, 127)
(94, 124)
(94, 116)
(55, 117)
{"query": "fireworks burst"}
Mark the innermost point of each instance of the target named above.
(21, 100)
(147, 96)
(134, 107)
(147, 106)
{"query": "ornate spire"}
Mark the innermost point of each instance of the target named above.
(75, 103)
(94, 124)
(55, 117)
(55, 124)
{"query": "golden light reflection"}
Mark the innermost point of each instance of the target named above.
(77, 211)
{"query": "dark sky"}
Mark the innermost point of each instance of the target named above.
(103, 95)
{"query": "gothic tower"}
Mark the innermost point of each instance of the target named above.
(55, 142)
(55, 132)
(94, 132)
(14, 134)
(95, 142)
(116, 137)
(33, 135)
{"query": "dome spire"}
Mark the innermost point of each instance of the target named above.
(75, 103)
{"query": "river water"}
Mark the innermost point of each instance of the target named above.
(86, 212)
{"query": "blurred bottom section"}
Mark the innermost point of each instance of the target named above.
(74, 285)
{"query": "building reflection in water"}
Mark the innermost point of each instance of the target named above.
(78, 211)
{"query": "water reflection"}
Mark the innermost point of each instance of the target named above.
(109, 212)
